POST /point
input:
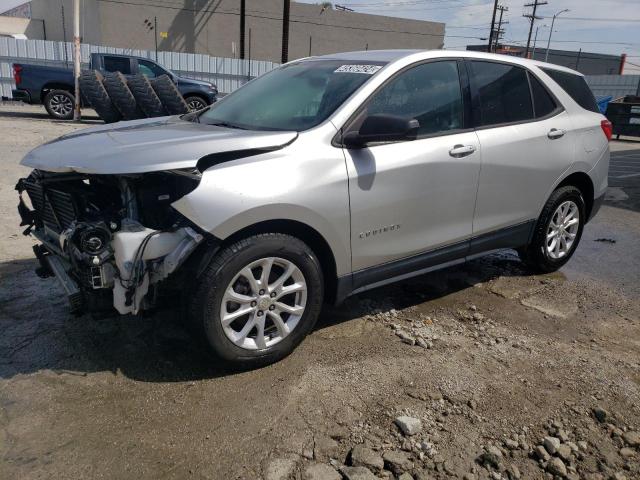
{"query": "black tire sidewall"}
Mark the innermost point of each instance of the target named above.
(47, 106)
(228, 265)
(538, 246)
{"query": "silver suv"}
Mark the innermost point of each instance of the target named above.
(323, 178)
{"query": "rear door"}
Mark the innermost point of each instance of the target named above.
(411, 197)
(527, 143)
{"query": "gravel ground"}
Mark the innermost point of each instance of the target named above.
(476, 372)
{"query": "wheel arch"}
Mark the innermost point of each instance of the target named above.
(200, 95)
(308, 235)
(54, 86)
(582, 182)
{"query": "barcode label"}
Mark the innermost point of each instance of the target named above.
(366, 69)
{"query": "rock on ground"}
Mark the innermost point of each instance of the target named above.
(362, 456)
(632, 438)
(555, 466)
(358, 473)
(409, 425)
(320, 471)
(397, 461)
(279, 469)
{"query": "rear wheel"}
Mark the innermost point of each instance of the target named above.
(557, 232)
(258, 299)
(59, 104)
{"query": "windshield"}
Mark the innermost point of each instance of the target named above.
(294, 97)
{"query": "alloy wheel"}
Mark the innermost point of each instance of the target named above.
(196, 104)
(61, 105)
(263, 303)
(562, 230)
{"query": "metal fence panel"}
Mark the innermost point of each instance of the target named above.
(613, 85)
(227, 73)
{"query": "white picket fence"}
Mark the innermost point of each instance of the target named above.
(227, 73)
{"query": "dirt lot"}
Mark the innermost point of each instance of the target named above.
(503, 359)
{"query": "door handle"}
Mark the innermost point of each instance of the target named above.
(555, 133)
(462, 150)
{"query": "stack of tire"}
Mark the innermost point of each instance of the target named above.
(115, 97)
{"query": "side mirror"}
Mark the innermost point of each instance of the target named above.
(382, 128)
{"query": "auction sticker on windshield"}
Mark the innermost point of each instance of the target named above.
(366, 69)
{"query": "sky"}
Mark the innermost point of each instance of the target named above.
(604, 26)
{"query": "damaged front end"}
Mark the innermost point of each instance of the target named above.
(111, 240)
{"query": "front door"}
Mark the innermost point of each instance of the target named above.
(409, 198)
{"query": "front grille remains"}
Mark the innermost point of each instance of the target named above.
(53, 207)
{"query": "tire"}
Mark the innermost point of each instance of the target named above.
(116, 85)
(59, 104)
(537, 254)
(206, 305)
(169, 95)
(145, 96)
(96, 95)
(195, 103)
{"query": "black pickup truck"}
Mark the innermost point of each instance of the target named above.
(54, 86)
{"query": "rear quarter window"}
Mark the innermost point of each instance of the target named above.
(576, 87)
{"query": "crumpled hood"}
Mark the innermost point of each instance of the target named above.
(152, 144)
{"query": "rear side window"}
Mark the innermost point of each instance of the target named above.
(117, 64)
(503, 92)
(576, 87)
(543, 102)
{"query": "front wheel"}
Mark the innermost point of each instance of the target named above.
(195, 103)
(258, 299)
(557, 232)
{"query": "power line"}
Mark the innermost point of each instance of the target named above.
(591, 19)
(350, 27)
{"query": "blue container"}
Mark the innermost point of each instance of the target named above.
(603, 102)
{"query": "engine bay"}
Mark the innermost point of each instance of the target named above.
(111, 240)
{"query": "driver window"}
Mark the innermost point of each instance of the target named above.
(149, 69)
(430, 93)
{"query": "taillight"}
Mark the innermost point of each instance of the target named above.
(17, 73)
(607, 128)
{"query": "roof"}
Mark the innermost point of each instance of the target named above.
(395, 55)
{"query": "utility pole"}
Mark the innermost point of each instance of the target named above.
(76, 58)
(578, 59)
(553, 21)
(155, 34)
(532, 18)
(535, 40)
(64, 38)
(493, 24)
(285, 30)
(500, 31)
(243, 13)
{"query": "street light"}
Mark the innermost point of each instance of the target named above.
(546, 57)
(535, 39)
